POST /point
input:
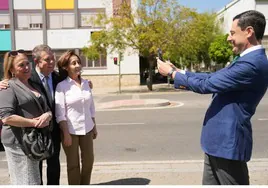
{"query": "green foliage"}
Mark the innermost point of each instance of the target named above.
(180, 32)
(93, 51)
(220, 50)
(194, 38)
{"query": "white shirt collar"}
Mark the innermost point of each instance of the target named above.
(251, 49)
(41, 76)
(71, 80)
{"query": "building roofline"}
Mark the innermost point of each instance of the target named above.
(227, 6)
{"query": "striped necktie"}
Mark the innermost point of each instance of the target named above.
(48, 91)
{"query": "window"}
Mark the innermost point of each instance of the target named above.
(36, 26)
(4, 26)
(58, 53)
(87, 17)
(29, 21)
(61, 20)
(4, 21)
(99, 63)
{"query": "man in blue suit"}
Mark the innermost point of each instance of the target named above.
(237, 90)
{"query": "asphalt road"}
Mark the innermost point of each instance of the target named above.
(162, 134)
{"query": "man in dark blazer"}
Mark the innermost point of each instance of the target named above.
(46, 79)
(237, 90)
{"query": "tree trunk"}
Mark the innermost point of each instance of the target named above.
(149, 80)
(192, 67)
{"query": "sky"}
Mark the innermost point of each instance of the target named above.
(205, 5)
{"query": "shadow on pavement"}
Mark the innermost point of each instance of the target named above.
(128, 181)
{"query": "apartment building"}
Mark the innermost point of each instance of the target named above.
(63, 25)
(226, 14)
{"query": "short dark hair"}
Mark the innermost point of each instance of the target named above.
(252, 18)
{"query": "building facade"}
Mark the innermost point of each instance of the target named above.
(226, 14)
(63, 25)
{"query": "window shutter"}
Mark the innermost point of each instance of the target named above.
(23, 21)
(4, 19)
(55, 21)
(36, 18)
(68, 20)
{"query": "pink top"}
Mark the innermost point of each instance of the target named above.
(75, 105)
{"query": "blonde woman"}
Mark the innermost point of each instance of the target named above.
(22, 108)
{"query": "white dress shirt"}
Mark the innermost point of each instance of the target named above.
(75, 105)
(42, 78)
(251, 49)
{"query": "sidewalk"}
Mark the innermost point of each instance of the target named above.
(133, 89)
(155, 173)
(163, 173)
(166, 173)
(133, 102)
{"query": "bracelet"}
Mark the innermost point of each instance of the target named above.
(171, 72)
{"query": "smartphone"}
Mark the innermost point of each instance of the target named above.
(160, 54)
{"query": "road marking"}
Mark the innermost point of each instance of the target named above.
(171, 166)
(120, 123)
(263, 119)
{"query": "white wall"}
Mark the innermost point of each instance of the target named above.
(232, 9)
(91, 4)
(130, 63)
(27, 4)
(69, 38)
(263, 8)
(27, 40)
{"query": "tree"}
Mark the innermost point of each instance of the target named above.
(195, 37)
(181, 33)
(220, 50)
(154, 24)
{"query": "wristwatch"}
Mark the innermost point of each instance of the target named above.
(171, 72)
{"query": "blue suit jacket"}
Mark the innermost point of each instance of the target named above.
(237, 90)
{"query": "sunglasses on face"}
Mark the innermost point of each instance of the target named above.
(15, 52)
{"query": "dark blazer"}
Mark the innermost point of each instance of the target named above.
(237, 89)
(37, 83)
(18, 100)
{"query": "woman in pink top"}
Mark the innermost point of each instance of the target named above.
(75, 113)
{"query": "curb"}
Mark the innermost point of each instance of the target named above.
(133, 103)
(165, 166)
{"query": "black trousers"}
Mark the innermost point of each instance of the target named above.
(53, 166)
(219, 171)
